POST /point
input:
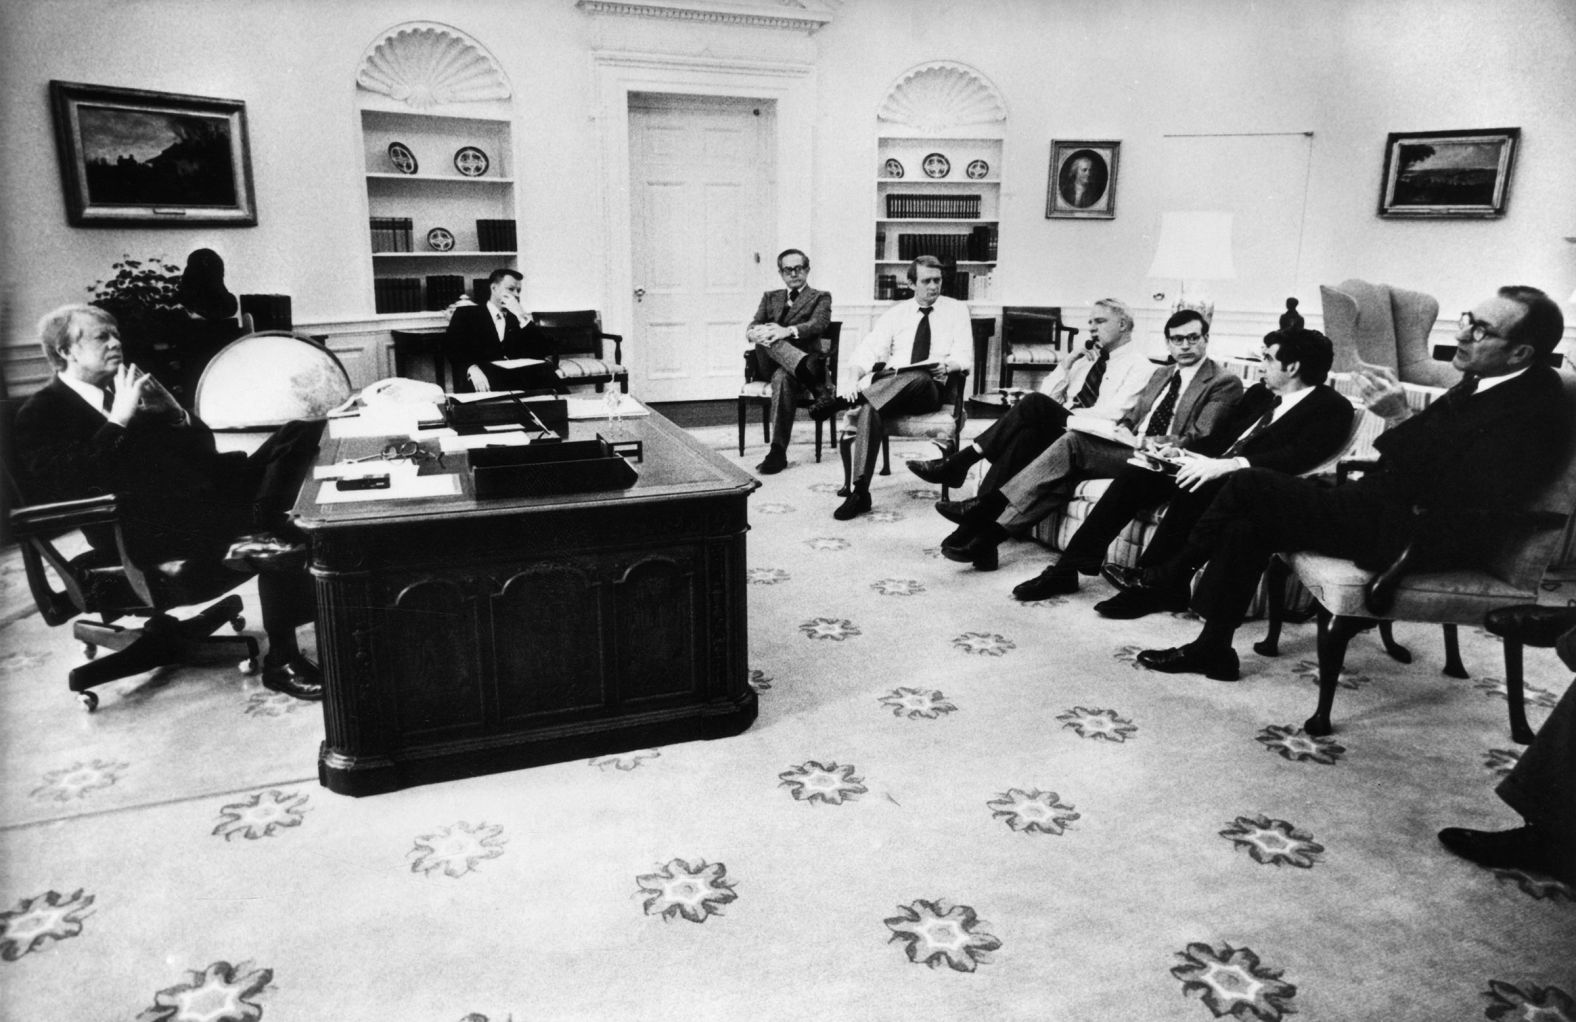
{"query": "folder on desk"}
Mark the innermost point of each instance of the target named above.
(470, 414)
(577, 466)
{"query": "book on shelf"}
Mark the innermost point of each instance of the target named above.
(946, 247)
(495, 235)
(391, 234)
(443, 289)
(396, 294)
(905, 206)
(268, 312)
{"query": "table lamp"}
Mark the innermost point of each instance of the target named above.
(1194, 247)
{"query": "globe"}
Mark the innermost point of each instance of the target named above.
(266, 379)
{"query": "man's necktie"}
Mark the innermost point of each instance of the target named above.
(793, 296)
(109, 398)
(1161, 420)
(921, 351)
(1089, 393)
(1258, 427)
(1463, 390)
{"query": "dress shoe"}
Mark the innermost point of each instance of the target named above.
(980, 551)
(1122, 578)
(1221, 666)
(1522, 848)
(828, 405)
(776, 460)
(296, 676)
(941, 471)
(1128, 604)
(857, 504)
(265, 551)
(954, 510)
(1053, 581)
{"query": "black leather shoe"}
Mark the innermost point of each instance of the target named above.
(940, 471)
(1522, 848)
(297, 676)
(826, 406)
(1530, 624)
(265, 551)
(857, 504)
(1122, 578)
(776, 460)
(1221, 666)
(1053, 581)
(954, 510)
(979, 551)
(1128, 604)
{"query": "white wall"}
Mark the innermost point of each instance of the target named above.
(1136, 70)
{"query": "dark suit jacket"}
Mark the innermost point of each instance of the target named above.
(1302, 439)
(471, 339)
(1200, 407)
(811, 314)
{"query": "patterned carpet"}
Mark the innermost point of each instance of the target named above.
(953, 806)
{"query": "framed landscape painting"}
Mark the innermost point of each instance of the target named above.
(1447, 173)
(130, 157)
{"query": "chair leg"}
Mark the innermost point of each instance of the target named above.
(766, 424)
(886, 456)
(163, 641)
(1453, 668)
(1334, 635)
(1275, 575)
(818, 424)
(743, 411)
(845, 447)
(1515, 694)
(1399, 653)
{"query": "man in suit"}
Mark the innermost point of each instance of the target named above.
(1450, 479)
(1291, 421)
(479, 335)
(1102, 381)
(901, 366)
(102, 425)
(785, 348)
(1181, 403)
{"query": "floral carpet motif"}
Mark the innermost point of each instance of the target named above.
(1273, 842)
(935, 933)
(1103, 725)
(898, 586)
(265, 703)
(830, 784)
(831, 543)
(78, 779)
(21, 660)
(261, 815)
(1501, 761)
(1535, 886)
(925, 495)
(679, 890)
(760, 681)
(1032, 812)
(767, 576)
(836, 629)
(1290, 742)
(457, 849)
(769, 508)
(917, 703)
(625, 761)
(1495, 688)
(1233, 982)
(38, 921)
(1308, 671)
(882, 516)
(983, 643)
(220, 993)
(1508, 1002)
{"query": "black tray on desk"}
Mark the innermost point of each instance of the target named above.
(575, 466)
(507, 410)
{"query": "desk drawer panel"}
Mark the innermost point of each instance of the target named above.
(547, 628)
(431, 631)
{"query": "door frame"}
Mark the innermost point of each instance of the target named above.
(790, 86)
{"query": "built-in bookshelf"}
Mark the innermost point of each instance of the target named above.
(937, 196)
(434, 212)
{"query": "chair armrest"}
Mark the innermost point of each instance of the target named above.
(618, 346)
(1348, 466)
(64, 516)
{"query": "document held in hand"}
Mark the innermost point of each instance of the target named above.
(1103, 428)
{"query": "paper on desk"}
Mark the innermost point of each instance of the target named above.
(596, 407)
(519, 363)
(1103, 428)
(359, 469)
(387, 420)
(400, 488)
(468, 441)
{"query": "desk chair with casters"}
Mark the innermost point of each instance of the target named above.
(577, 342)
(113, 585)
(1351, 600)
(1033, 337)
(759, 392)
(942, 427)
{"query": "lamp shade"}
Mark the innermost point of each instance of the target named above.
(1194, 246)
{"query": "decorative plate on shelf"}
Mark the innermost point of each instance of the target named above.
(937, 165)
(977, 169)
(440, 239)
(403, 159)
(471, 161)
(894, 167)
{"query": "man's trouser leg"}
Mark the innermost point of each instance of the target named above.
(907, 393)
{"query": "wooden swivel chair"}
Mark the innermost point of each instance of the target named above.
(759, 392)
(942, 427)
(111, 584)
(1033, 337)
(577, 342)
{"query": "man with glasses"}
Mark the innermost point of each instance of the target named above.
(785, 340)
(1291, 421)
(1179, 404)
(1451, 479)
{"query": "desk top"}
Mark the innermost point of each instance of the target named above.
(676, 465)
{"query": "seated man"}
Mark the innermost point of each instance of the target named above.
(479, 335)
(104, 426)
(901, 366)
(1541, 786)
(1181, 403)
(785, 339)
(1103, 381)
(1291, 421)
(1449, 479)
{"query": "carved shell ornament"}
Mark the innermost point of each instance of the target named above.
(429, 65)
(942, 97)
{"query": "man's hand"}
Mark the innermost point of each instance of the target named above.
(511, 304)
(136, 392)
(1381, 392)
(478, 379)
(1197, 470)
(158, 401)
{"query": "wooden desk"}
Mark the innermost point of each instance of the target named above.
(460, 637)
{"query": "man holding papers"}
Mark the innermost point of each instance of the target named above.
(901, 366)
(1181, 403)
(481, 336)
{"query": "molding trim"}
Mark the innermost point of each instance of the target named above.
(705, 65)
(788, 15)
(424, 64)
(943, 96)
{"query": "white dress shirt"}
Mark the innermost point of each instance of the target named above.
(1126, 374)
(892, 340)
(93, 395)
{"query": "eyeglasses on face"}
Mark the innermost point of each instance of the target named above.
(1193, 338)
(1476, 327)
(788, 271)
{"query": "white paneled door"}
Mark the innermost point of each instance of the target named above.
(701, 193)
